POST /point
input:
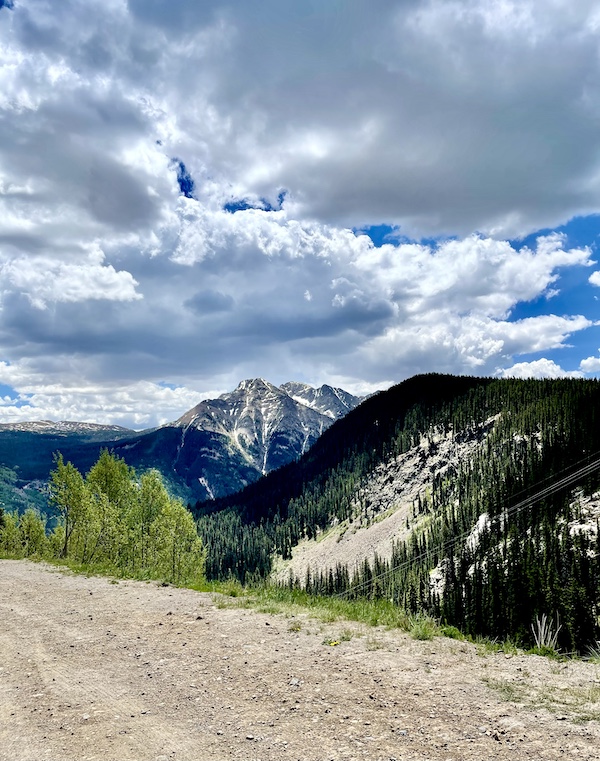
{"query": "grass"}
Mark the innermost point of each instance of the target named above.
(372, 613)
(487, 646)
(506, 690)
(423, 627)
(452, 632)
(581, 703)
(325, 609)
(593, 653)
(545, 633)
(275, 599)
(114, 574)
(546, 651)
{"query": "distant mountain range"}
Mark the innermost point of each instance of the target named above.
(62, 428)
(216, 448)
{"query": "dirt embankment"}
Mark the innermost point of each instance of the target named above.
(96, 670)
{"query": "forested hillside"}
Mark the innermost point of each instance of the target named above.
(475, 551)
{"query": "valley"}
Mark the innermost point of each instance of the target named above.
(431, 495)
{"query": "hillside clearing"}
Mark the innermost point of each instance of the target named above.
(93, 669)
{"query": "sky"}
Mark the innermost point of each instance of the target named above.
(328, 191)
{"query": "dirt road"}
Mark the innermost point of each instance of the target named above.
(96, 670)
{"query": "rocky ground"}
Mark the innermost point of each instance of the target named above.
(93, 669)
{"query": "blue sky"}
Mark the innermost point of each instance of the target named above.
(573, 291)
(196, 193)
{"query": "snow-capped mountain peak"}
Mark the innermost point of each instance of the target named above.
(330, 401)
(267, 425)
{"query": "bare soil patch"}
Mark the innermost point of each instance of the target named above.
(98, 670)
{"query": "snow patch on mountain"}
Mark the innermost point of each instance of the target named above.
(329, 401)
(268, 425)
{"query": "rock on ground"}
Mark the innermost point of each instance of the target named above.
(97, 670)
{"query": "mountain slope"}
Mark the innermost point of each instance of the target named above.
(27, 456)
(263, 422)
(222, 445)
(421, 495)
(29, 446)
(214, 449)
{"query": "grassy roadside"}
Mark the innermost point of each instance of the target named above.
(293, 602)
(372, 613)
(270, 598)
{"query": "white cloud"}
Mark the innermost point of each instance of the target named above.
(590, 365)
(231, 301)
(139, 404)
(540, 368)
(439, 116)
(44, 280)
(480, 274)
(473, 343)
(472, 119)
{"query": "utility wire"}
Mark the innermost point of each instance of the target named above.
(513, 510)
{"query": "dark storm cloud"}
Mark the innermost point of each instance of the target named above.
(182, 17)
(117, 197)
(208, 301)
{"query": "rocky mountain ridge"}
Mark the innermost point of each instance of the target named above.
(330, 401)
(268, 425)
(214, 449)
(226, 443)
(68, 427)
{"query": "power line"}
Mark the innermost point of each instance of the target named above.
(548, 491)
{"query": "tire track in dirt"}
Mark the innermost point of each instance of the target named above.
(100, 671)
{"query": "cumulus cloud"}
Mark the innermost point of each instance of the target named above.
(590, 365)
(540, 368)
(179, 184)
(344, 109)
(44, 280)
(131, 405)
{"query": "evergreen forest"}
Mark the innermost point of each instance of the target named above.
(534, 552)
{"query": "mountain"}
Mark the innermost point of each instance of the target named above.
(476, 500)
(26, 456)
(222, 445)
(29, 446)
(329, 401)
(62, 428)
(214, 449)
(268, 425)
